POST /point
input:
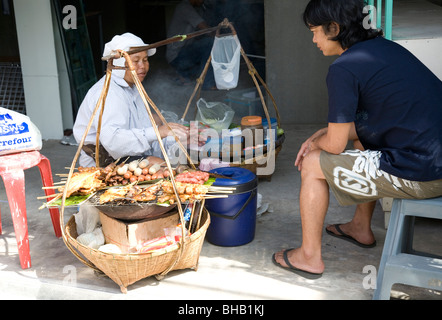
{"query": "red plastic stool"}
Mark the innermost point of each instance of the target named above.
(12, 168)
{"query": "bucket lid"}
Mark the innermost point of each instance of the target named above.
(245, 180)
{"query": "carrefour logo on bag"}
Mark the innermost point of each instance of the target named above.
(9, 127)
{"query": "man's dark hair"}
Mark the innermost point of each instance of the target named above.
(348, 14)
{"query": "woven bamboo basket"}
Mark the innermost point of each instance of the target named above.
(126, 269)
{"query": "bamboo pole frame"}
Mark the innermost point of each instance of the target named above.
(255, 77)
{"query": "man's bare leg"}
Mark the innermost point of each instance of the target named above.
(314, 199)
(360, 226)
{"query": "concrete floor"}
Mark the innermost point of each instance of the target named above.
(244, 272)
(416, 19)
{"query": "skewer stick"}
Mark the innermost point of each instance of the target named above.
(51, 187)
(55, 195)
(230, 190)
(215, 197)
(219, 191)
(222, 188)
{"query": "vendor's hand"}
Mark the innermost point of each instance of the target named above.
(197, 135)
(182, 132)
(197, 139)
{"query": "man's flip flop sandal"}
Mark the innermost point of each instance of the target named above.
(344, 236)
(302, 273)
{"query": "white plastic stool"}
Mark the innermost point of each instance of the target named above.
(399, 262)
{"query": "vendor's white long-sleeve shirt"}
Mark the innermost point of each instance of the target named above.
(126, 129)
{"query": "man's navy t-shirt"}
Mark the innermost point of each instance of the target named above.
(396, 104)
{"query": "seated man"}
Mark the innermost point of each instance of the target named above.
(390, 105)
(189, 57)
(126, 129)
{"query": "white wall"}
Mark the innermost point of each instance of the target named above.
(428, 51)
(39, 66)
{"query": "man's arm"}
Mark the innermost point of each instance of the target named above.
(332, 139)
(335, 139)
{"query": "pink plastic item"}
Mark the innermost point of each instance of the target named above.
(12, 168)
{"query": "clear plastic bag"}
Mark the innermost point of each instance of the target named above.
(170, 116)
(226, 54)
(217, 115)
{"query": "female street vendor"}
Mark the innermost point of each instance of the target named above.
(126, 129)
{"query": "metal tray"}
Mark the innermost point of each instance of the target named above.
(130, 211)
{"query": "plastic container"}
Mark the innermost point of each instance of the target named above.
(252, 124)
(246, 102)
(233, 219)
(265, 125)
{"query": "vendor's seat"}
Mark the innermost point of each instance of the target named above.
(399, 262)
(12, 168)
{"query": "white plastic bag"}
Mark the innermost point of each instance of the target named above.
(226, 54)
(94, 239)
(87, 219)
(17, 133)
(110, 248)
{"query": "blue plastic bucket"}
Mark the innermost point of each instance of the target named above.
(233, 219)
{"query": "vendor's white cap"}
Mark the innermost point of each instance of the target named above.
(124, 42)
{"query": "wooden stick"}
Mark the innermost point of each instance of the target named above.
(52, 187)
(198, 85)
(221, 188)
(216, 197)
(168, 41)
(200, 214)
(55, 195)
(100, 116)
(219, 192)
(192, 215)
